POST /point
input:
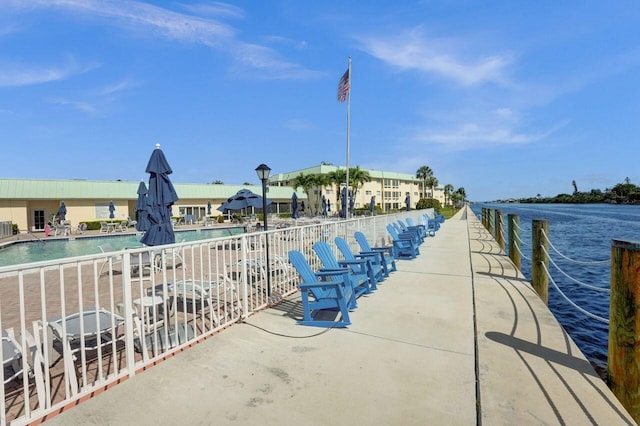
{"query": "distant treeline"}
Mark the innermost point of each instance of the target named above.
(622, 193)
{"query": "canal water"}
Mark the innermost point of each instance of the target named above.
(583, 233)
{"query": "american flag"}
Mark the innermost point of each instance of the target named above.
(343, 86)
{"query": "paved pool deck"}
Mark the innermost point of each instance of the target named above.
(454, 337)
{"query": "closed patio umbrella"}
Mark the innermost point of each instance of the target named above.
(343, 202)
(294, 206)
(208, 207)
(324, 206)
(407, 201)
(62, 211)
(112, 208)
(160, 198)
(372, 204)
(142, 223)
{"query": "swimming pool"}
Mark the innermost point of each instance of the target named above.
(36, 251)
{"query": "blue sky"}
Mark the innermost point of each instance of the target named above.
(504, 98)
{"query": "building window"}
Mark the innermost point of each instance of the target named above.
(196, 211)
(38, 219)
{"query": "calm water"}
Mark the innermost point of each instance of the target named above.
(584, 233)
(27, 252)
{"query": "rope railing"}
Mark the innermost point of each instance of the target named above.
(520, 240)
(517, 234)
(589, 286)
(595, 262)
(517, 246)
(584, 311)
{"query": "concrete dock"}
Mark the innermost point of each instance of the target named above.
(454, 337)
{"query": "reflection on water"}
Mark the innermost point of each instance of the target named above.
(583, 233)
(35, 251)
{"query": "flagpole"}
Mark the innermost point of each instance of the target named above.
(346, 216)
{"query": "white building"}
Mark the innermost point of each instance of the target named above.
(389, 188)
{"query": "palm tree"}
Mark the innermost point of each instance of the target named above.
(448, 190)
(303, 181)
(357, 178)
(431, 182)
(319, 181)
(575, 187)
(462, 193)
(423, 173)
(337, 177)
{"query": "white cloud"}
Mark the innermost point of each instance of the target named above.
(268, 63)
(412, 50)
(82, 106)
(296, 44)
(17, 75)
(115, 87)
(215, 9)
(180, 27)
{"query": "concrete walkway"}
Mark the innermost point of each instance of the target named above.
(454, 337)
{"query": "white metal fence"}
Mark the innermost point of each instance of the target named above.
(76, 325)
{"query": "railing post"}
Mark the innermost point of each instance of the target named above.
(127, 296)
(499, 229)
(489, 221)
(539, 259)
(513, 226)
(484, 217)
(624, 328)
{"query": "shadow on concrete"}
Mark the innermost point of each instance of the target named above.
(543, 352)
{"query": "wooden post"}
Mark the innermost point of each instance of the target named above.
(484, 217)
(513, 227)
(490, 221)
(499, 229)
(539, 278)
(624, 327)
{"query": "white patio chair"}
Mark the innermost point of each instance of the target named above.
(12, 359)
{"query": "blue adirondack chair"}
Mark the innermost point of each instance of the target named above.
(358, 276)
(402, 228)
(421, 228)
(431, 225)
(374, 264)
(387, 254)
(335, 293)
(403, 233)
(404, 247)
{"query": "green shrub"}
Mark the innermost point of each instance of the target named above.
(429, 203)
(14, 227)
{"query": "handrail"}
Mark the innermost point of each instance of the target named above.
(595, 262)
(584, 311)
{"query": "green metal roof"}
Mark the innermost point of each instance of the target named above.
(42, 189)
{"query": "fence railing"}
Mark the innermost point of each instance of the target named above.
(623, 375)
(75, 325)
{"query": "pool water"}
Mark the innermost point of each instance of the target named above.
(36, 251)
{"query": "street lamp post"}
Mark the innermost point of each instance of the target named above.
(263, 174)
